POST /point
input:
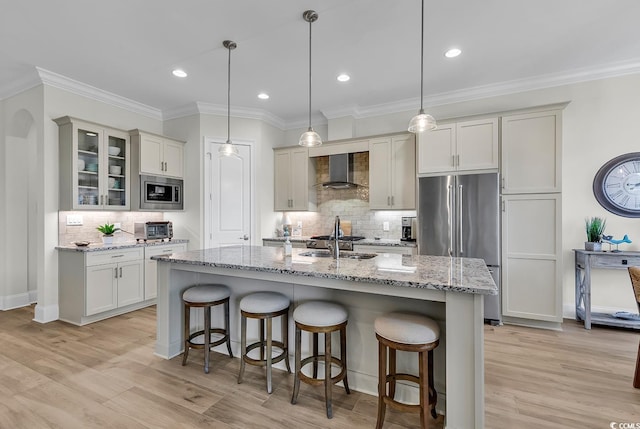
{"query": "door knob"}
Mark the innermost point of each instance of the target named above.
(244, 237)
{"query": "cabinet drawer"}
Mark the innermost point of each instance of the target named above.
(164, 250)
(611, 260)
(113, 256)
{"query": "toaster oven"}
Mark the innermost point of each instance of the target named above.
(158, 230)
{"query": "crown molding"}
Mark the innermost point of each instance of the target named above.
(26, 82)
(67, 84)
(241, 112)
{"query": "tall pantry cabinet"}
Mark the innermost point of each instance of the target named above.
(531, 218)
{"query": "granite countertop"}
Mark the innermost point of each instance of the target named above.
(464, 275)
(97, 247)
(366, 241)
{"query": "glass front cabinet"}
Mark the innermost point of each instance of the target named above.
(94, 166)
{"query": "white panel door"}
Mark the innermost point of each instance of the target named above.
(477, 144)
(173, 156)
(229, 212)
(151, 155)
(380, 173)
(436, 149)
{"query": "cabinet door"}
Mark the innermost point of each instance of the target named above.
(403, 179)
(436, 150)
(531, 257)
(88, 167)
(531, 152)
(477, 144)
(101, 288)
(130, 283)
(173, 157)
(380, 173)
(151, 155)
(299, 179)
(116, 174)
(282, 180)
(151, 267)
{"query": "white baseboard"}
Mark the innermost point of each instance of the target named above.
(10, 302)
(46, 314)
(33, 296)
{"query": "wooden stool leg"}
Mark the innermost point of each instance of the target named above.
(433, 395)
(207, 337)
(315, 353)
(269, 354)
(187, 320)
(243, 346)
(285, 340)
(343, 357)
(392, 373)
(226, 327)
(296, 380)
(423, 371)
(327, 373)
(382, 383)
(636, 378)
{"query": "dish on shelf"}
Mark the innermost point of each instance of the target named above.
(92, 167)
(81, 243)
(114, 150)
(115, 169)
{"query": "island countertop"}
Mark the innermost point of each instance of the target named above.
(448, 274)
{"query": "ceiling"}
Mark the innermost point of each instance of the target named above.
(129, 48)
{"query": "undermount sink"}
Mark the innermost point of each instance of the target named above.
(346, 255)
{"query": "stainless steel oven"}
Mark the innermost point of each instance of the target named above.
(161, 193)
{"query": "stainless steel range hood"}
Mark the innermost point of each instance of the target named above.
(340, 172)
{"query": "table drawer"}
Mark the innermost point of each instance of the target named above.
(611, 260)
(114, 256)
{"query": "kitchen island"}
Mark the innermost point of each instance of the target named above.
(450, 290)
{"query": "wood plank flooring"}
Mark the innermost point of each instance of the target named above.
(105, 375)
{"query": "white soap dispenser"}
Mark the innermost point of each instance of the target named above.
(287, 246)
(286, 226)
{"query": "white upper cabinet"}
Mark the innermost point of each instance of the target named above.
(94, 166)
(531, 152)
(157, 155)
(392, 173)
(462, 146)
(293, 177)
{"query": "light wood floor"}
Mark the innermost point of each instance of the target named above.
(105, 375)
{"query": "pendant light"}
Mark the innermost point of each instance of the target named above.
(422, 121)
(310, 137)
(228, 149)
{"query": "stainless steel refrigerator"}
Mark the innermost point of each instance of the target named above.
(459, 215)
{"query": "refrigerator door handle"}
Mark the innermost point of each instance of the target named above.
(460, 249)
(450, 212)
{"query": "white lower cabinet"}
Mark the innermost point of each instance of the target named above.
(151, 266)
(100, 284)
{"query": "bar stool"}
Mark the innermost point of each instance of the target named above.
(264, 306)
(207, 296)
(411, 333)
(321, 317)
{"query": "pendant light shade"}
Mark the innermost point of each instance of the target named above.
(228, 149)
(422, 121)
(310, 138)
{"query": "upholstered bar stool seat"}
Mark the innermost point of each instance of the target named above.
(264, 306)
(205, 296)
(321, 317)
(411, 333)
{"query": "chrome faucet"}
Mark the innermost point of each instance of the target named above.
(335, 250)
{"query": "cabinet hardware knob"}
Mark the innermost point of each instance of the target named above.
(392, 200)
(120, 272)
(116, 270)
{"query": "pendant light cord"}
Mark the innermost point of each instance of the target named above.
(310, 22)
(229, 97)
(422, 59)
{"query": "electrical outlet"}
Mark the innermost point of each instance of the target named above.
(74, 220)
(385, 226)
(117, 225)
(299, 224)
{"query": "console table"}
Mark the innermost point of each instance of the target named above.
(585, 261)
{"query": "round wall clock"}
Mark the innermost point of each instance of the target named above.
(616, 185)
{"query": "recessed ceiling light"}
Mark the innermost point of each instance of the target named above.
(452, 53)
(263, 96)
(343, 77)
(179, 73)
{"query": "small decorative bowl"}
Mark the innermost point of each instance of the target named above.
(81, 243)
(114, 150)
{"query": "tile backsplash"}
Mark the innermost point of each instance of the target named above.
(67, 234)
(349, 204)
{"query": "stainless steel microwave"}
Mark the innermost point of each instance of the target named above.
(161, 193)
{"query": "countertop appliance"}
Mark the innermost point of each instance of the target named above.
(161, 193)
(409, 229)
(459, 215)
(322, 241)
(158, 230)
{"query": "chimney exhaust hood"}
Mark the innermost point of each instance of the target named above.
(340, 172)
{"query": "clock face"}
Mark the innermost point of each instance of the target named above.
(616, 185)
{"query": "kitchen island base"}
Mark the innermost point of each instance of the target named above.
(459, 360)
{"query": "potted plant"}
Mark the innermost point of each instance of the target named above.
(107, 231)
(595, 228)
